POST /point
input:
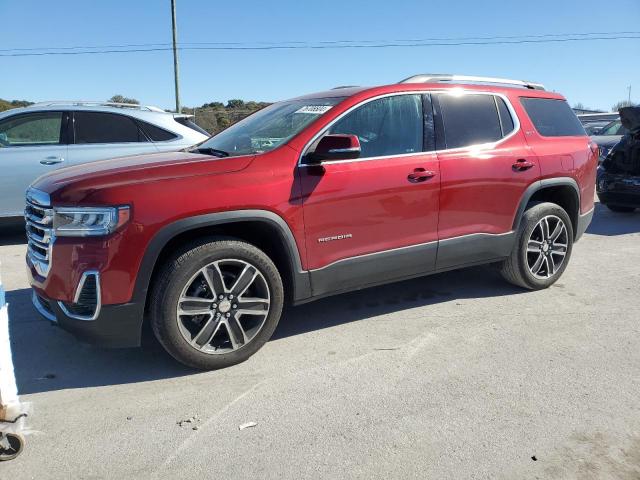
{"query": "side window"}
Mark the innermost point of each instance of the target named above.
(469, 119)
(553, 118)
(386, 126)
(98, 127)
(156, 134)
(506, 121)
(31, 129)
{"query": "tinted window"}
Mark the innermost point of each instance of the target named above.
(156, 134)
(469, 119)
(387, 126)
(614, 128)
(97, 127)
(32, 129)
(553, 118)
(506, 121)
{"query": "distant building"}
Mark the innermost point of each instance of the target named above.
(582, 111)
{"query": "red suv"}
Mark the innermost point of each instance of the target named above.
(310, 197)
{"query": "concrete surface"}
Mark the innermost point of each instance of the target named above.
(452, 376)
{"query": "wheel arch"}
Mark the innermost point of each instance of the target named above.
(264, 229)
(562, 191)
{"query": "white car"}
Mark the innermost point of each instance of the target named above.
(40, 138)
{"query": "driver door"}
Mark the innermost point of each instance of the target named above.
(374, 219)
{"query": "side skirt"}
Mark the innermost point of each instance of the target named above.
(379, 268)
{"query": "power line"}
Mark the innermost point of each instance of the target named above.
(333, 44)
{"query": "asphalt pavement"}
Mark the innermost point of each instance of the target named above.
(457, 375)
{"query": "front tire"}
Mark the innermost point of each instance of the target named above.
(543, 247)
(216, 303)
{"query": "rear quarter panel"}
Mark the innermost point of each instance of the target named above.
(562, 156)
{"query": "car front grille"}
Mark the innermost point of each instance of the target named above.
(38, 216)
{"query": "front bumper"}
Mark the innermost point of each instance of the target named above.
(618, 189)
(116, 326)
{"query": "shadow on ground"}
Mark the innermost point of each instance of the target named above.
(12, 232)
(608, 223)
(46, 358)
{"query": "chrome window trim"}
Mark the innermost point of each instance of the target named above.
(455, 91)
(76, 297)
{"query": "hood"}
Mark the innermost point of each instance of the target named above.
(138, 169)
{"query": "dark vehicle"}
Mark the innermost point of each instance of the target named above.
(593, 128)
(618, 182)
(608, 136)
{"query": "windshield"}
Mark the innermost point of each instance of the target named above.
(268, 128)
(614, 128)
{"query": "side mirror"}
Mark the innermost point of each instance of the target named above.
(335, 147)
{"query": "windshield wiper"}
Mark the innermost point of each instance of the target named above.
(211, 151)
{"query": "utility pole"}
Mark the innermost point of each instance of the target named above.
(629, 99)
(175, 54)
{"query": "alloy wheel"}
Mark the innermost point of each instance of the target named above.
(547, 247)
(223, 306)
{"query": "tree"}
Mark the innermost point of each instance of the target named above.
(123, 99)
(619, 105)
(578, 106)
(215, 105)
(235, 103)
(7, 104)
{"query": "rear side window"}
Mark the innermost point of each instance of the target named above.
(99, 127)
(553, 118)
(32, 129)
(469, 120)
(156, 134)
(192, 125)
(386, 126)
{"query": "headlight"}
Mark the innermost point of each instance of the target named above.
(88, 221)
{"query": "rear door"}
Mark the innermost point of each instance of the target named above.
(359, 214)
(485, 166)
(102, 135)
(31, 144)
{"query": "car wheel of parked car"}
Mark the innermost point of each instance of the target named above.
(216, 302)
(620, 209)
(542, 249)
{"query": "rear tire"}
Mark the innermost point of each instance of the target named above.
(216, 302)
(538, 259)
(620, 209)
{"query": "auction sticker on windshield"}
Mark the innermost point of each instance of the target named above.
(314, 109)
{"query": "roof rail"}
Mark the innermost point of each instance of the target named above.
(446, 77)
(97, 103)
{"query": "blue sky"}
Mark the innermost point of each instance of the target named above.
(595, 73)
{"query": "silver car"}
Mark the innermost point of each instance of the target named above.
(40, 138)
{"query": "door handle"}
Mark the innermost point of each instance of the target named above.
(51, 160)
(521, 165)
(420, 175)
